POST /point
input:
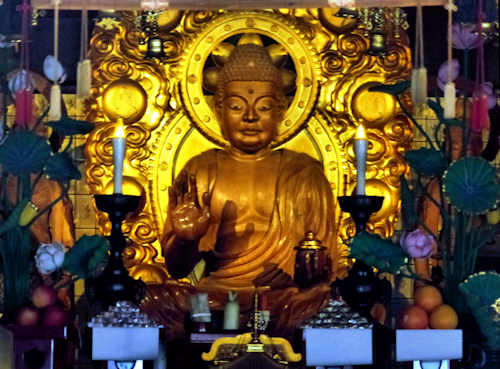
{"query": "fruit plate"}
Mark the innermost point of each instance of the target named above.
(338, 346)
(130, 343)
(428, 344)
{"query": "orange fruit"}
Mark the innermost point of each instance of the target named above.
(428, 298)
(413, 317)
(443, 317)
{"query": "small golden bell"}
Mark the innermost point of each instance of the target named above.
(377, 44)
(155, 48)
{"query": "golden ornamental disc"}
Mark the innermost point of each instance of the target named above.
(268, 25)
(125, 99)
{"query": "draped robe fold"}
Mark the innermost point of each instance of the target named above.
(302, 202)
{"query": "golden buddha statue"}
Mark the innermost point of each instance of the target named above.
(243, 209)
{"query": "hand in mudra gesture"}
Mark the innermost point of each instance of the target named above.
(188, 217)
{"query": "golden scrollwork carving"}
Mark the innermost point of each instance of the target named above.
(324, 60)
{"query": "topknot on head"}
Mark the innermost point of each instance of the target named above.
(249, 62)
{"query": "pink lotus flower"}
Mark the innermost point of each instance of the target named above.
(487, 89)
(465, 36)
(418, 243)
(443, 73)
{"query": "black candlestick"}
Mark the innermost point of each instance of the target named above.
(115, 284)
(361, 289)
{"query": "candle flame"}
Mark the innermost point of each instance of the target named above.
(360, 132)
(119, 132)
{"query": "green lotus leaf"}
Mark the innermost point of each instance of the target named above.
(471, 185)
(482, 294)
(23, 153)
(13, 219)
(7, 65)
(85, 255)
(68, 126)
(377, 252)
(392, 89)
(408, 205)
(427, 162)
(60, 167)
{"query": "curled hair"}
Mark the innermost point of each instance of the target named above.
(249, 63)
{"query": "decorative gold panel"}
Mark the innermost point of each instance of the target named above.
(170, 118)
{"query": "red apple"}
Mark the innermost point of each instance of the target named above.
(55, 316)
(28, 316)
(44, 296)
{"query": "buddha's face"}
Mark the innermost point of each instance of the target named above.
(250, 113)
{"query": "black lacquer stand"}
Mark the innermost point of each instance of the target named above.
(115, 284)
(361, 289)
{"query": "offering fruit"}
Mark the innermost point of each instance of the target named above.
(55, 316)
(27, 316)
(44, 296)
(443, 317)
(428, 298)
(413, 317)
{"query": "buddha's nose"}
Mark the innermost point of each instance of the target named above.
(250, 115)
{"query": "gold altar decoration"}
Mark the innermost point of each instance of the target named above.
(168, 113)
(226, 349)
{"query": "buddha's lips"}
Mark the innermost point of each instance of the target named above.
(250, 132)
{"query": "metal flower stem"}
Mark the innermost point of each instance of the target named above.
(465, 137)
(415, 123)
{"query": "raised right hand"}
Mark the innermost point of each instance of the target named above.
(188, 217)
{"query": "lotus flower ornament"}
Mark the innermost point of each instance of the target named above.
(54, 70)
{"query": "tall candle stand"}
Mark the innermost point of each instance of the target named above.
(114, 284)
(361, 288)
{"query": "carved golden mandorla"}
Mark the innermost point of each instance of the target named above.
(170, 117)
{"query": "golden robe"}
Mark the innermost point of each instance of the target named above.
(260, 207)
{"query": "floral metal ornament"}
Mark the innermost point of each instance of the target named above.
(49, 257)
(465, 36)
(471, 185)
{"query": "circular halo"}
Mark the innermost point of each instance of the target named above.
(272, 26)
(125, 99)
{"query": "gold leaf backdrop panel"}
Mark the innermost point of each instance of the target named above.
(327, 61)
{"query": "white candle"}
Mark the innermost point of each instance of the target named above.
(360, 148)
(119, 143)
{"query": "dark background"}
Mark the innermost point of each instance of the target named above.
(435, 25)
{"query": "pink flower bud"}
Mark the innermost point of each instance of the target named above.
(418, 243)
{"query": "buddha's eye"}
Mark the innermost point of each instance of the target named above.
(234, 104)
(265, 104)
